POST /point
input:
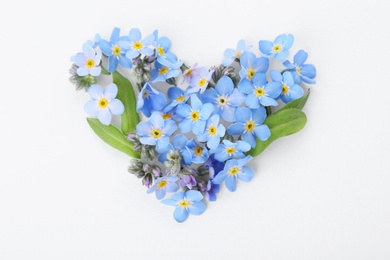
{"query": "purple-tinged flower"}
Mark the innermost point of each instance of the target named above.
(194, 153)
(188, 181)
(199, 83)
(156, 131)
(260, 92)
(213, 133)
(228, 150)
(136, 45)
(103, 103)
(88, 62)
(191, 73)
(115, 50)
(290, 90)
(250, 125)
(250, 65)
(194, 116)
(209, 190)
(225, 98)
(279, 48)
(233, 170)
(300, 70)
(150, 99)
(232, 54)
(176, 96)
(189, 202)
(163, 185)
(165, 69)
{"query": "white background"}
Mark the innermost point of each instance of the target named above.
(323, 193)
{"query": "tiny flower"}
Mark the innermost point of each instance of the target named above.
(115, 50)
(163, 185)
(233, 170)
(232, 54)
(260, 92)
(150, 99)
(188, 181)
(88, 62)
(300, 70)
(279, 48)
(199, 83)
(290, 90)
(136, 45)
(156, 131)
(162, 48)
(228, 150)
(225, 98)
(194, 153)
(195, 116)
(177, 96)
(213, 133)
(179, 143)
(103, 103)
(93, 43)
(250, 65)
(190, 73)
(165, 69)
(189, 202)
(250, 125)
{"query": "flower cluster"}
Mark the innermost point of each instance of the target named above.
(202, 126)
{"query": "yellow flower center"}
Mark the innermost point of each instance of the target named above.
(156, 133)
(137, 46)
(160, 50)
(277, 48)
(251, 73)
(166, 116)
(198, 151)
(163, 70)
(298, 69)
(184, 203)
(259, 92)
(103, 103)
(238, 54)
(116, 50)
(194, 115)
(284, 89)
(162, 184)
(249, 125)
(212, 130)
(202, 82)
(230, 150)
(233, 170)
(222, 101)
(189, 72)
(90, 63)
(179, 99)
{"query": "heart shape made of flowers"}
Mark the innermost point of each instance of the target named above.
(200, 126)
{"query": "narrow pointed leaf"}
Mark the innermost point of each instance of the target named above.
(112, 136)
(282, 123)
(126, 94)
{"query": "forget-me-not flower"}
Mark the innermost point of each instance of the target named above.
(194, 153)
(231, 54)
(150, 99)
(250, 65)
(165, 69)
(136, 45)
(176, 96)
(279, 48)
(290, 90)
(199, 82)
(88, 62)
(213, 132)
(163, 185)
(300, 70)
(229, 150)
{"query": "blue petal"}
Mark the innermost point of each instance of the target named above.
(243, 114)
(252, 101)
(276, 76)
(175, 92)
(199, 127)
(131, 54)
(247, 60)
(160, 193)
(236, 129)
(206, 111)
(243, 146)
(246, 174)
(105, 116)
(231, 183)
(300, 57)
(265, 47)
(162, 144)
(114, 35)
(156, 120)
(180, 214)
(169, 128)
(135, 35)
(262, 132)
(96, 92)
(287, 78)
(281, 56)
(308, 70)
(225, 86)
(179, 141)
(197, 208)
(158, 101)
(249, 138)
(273, 89)
(295, 91)
(116, 107)
(245, 86)
(143, 129)
(268, 101)
(259, 115)
(220, 177)
(91, 107)
(260, 79)
(148, 40)
(185, 125)
(236, 98)
(112, 64)
(221, 156)
(193, 195)
(110, 91)
(183, 110)
(196, 104)
(213, 142)
(261, 64)
(126, 63)
(105, 47)
(228, 113)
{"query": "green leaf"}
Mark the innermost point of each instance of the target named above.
(297, 103)
(112, 136)
(282, 123)
(126, 94)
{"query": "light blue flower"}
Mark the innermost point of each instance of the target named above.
(225, 98)
(194, 116)
(233, 170)
(176, 96)
(250, 65)
(103, 103)
(88, 62)
(232, 54)
(189, 202)
(150, 99)
(300, 70)
(290, 90)
(213, 133)
(260, 92)
(156, 131)
(194, 153)
(179, 144)
(279, 48)
(136, 45)
(93, 43)
(191, 73)
(163, 185)
(200, 81)
(250, 125)
(115, 49)
(165, 69)
(228, 150)
(162, 48)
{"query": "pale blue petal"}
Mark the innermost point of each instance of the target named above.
(95, 91)
(162, 144)
(247, 59)
(249, 138)
(185, 125)
(110, 91)
(246, 174)
(213, 141)
(295, 91)
(236, 129)
(259, 80)
(228, 113)
(116, 107)
(149, 140)
(245, 86)
(160, 193)
(199, 127)
(276, 76)
(231, 183)
(91, 107)
(179, 141)
(288, 79)
(135, 35)
(288, 42)
(221, 130)
(261, 64)
(131, 54)
(259, 115)
(265, 47)
(308, 70)
(146, 51)
(225, 86)
(105, 116)
(252, 101)
(180, 214)
(196, 104)
(105, 47)
(300, 57)
(114, 35)
(112, 64)
(148, 40)
(243, 114)
(82, 71)
(243, 146)
(262, 132)
(126, 63)
(156, 120)
(95, 71)
(193, 195)
(221, 156)
(170, 202)
(183, 110)
(281, 56)
(206, 111)
(273, 89)
(197, 208)
(268, 101)
(169, 128)
(221, 176)
(143, 128)
(236, 98)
